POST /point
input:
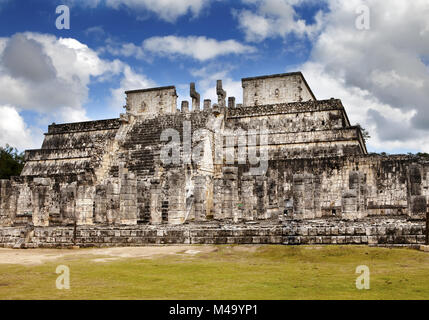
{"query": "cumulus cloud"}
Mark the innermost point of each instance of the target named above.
(379, 73)
(14, 131)
(199, 48)
(167, 10)
(275, 18)
(51, 77)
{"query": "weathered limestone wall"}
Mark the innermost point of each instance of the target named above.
(320, 232)
(350, 188)
(300, 130)
(71, 148)
(276, 89)
(152, 102)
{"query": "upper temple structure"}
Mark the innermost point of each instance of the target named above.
(281, 155)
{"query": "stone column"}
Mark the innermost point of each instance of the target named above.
(248, 197)
(261, 197)
(218, 199)
(230, 194)
(113, 201)
(176, 198)
(185, 106)
(155, 202)
(207, 104)
(68, 203)
(231, 102)
(100, 204)
(40, 200)
(85, 204)
(128, 199)
(5, 193)
(199, 198)
(221, 94)
(195, 98)
(417, 203)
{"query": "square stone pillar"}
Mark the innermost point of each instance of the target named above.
(128, 199)
(248, 198)
(5, 208)
(85, 204)
(40, 200)
(176, 197)
(230, 194)
(155, 202)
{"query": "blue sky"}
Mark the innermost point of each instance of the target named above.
(49, 75)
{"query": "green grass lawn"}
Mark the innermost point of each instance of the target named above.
(231, 272)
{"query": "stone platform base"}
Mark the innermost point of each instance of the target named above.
(424, 248)
(380, 232)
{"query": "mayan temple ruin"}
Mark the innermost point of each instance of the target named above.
(282, 167)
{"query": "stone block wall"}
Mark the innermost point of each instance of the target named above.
(316, 232)
(276, 89)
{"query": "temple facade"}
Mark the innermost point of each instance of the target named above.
(279, 157)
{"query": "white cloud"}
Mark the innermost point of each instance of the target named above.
(168, 10)
(51, 76)
(123, 49)
(275, 18)
(130, 81)
(378, 73)
(200, 48)
(14, 131)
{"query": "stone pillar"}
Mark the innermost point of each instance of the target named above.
(207, 104)
(230, 194)
(128, 199)
(417, 203)
(195, 98)
(100, 204)
(5, 193)
(68, 203)
(355, 199)
(248, 198)
(273, 205)
(349, 205)
(231, 102)
(40, 200)
(155, 202)
(306, 201)
(185, 106)
(176, 198)
(217, 198)
(261, 197)
(113, 201)
(427, 228)
(200, 198)
(221, 94)
(85, 204)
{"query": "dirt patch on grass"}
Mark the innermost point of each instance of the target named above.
(40, 256)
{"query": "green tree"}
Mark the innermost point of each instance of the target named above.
(365, 133)
(11, 162)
